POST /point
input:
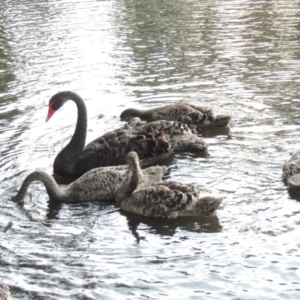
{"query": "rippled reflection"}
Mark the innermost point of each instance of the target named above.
(169, 227)
(239, 57)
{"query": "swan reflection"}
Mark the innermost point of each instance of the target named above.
(168, 227)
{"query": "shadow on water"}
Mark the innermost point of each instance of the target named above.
(6, 74)
(54, 208)
(169, 227)
(82, 210)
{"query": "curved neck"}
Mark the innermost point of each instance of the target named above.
(130, 186)
(52, 188)
(146, 115)
(65, 160)
(142, 114)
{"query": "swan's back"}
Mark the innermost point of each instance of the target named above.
(179, 134)
(170, 200)
(179, 186)
(180, 112)
(170, 128)
(193, 115)
(172, 112)
(155, 201)
(151, 176)
(111, 150)
(100, 184)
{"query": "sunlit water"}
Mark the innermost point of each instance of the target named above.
(239, 57)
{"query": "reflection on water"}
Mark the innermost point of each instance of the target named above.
(169, 227)
(240, 58)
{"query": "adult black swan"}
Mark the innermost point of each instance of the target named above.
(108, 150)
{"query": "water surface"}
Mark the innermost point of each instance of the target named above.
(241, 58)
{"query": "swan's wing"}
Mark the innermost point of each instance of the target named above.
(189, 143)
(112, 152)
(157, 201)
(211, 119)
(97, 171)
(180, 135)
(97, 185)
(118, 133)
(100, 184)
(178, 112)
(203, 109)
(179, 186)
(152, 175)
(170, 128)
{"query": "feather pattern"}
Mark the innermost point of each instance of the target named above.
(291, 171)
(165, 199)
(181, 137)
(108, 150)
(99, 184)
(194, 116)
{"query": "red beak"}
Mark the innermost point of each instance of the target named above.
(51, 112)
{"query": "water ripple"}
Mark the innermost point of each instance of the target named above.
(240, 58)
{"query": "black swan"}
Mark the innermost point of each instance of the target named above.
(169, 199)
(108, 150)
(99, 184)
(194, 116)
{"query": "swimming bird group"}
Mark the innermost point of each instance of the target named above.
(100, 167)
(149, 136)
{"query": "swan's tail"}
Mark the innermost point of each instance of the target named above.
(205, 206)
(221, 120)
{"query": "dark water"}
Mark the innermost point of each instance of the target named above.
(239, 57)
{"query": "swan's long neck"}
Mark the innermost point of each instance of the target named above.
(65, 160)
(143, 114)
(130, 186)
(52, 188)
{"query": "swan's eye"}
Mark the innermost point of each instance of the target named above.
(55, 105)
